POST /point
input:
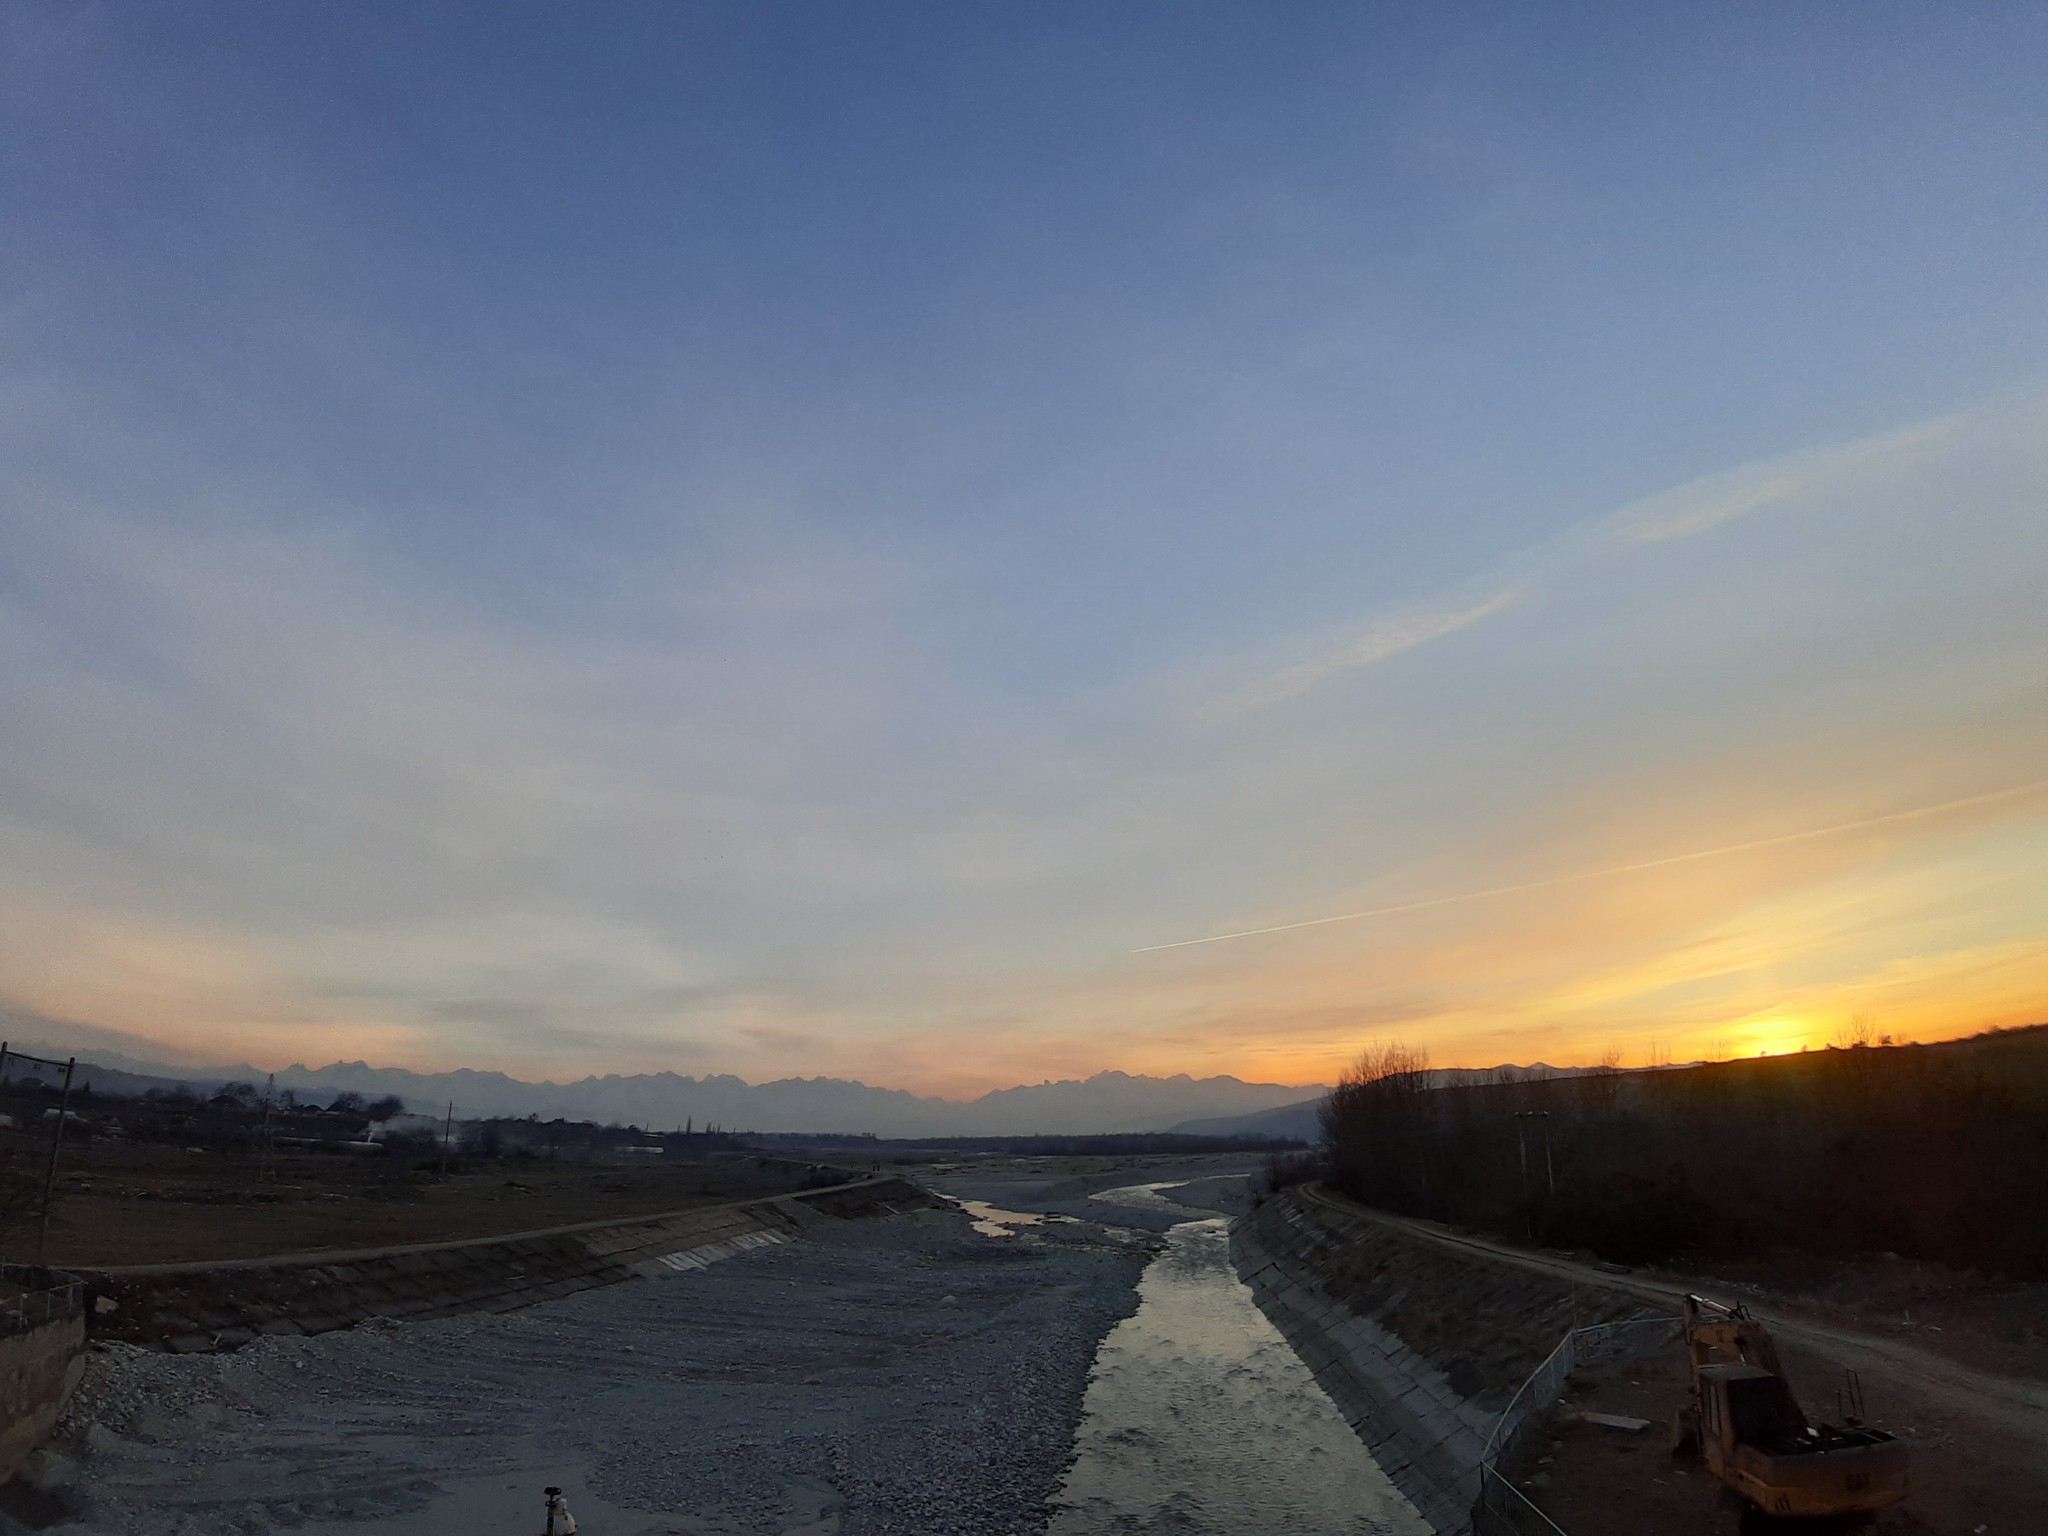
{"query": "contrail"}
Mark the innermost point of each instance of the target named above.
(1618, 869)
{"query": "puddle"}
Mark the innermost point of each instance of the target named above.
(1200, 1419)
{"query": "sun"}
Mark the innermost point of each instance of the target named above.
(1774, 1035)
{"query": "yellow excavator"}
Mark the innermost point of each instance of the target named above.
(1745, 1423)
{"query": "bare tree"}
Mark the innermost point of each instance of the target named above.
(1374, 1121)
(1856, 1034)
(1601, 1086)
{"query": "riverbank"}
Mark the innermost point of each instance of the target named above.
(204, 1308)
(895, 1374)
(901, 1374)
(924, 1373)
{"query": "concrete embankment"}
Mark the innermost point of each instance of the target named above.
(1421, 1345)
(193, 1308)
(42, 1339)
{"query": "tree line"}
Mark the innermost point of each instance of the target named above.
(1935, 1152)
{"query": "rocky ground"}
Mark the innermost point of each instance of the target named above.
(894, 1375)
(1595, 1480)
(906, 1374)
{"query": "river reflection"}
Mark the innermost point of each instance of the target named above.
(1200, 1419)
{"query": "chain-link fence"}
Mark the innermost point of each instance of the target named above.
(1503, 1509)
(31, 1296)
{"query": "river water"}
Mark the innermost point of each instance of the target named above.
(1199, 1418)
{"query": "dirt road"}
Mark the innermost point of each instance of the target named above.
(1980, 1440)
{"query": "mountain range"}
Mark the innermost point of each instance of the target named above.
(1106, 1102)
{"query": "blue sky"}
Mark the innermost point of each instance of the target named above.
(792, 538)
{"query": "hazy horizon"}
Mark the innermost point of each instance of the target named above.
(134, 1053)
(138, 1053)
(954, 547)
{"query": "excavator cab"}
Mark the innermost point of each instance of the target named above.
(1753, 1435)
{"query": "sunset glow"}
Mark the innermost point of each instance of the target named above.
(1251, 538)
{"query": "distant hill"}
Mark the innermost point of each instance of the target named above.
(1107, 1103)
(92, 1077)
(1285, 1122)
(1299, 1122)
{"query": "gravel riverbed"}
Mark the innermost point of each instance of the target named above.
(904, 1374)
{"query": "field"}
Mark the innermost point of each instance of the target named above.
(151, 1203)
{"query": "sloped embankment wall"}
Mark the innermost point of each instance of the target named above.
(206, 1307)
(1420, 1344)
(42, 1339)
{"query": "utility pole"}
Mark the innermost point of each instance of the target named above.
(263, 1151)
(447, 1137)
(56, 1142)
(1522, 1144)
(1522, 1117)
(1549, 1170)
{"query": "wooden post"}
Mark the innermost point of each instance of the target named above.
(56, 1142)
(263, 1151)
(1522, 1118)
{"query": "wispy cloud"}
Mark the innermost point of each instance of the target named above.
(1383, 640)
(1699, 506)
(1748, 845)
(1679, 512)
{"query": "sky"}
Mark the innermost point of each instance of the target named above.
(797, 539)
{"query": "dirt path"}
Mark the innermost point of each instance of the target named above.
(1980, 1440)
(2014, 1402)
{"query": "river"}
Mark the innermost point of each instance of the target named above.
(908, 1374)
(1199, 1418)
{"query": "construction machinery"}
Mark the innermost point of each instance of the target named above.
(1749, 1428)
